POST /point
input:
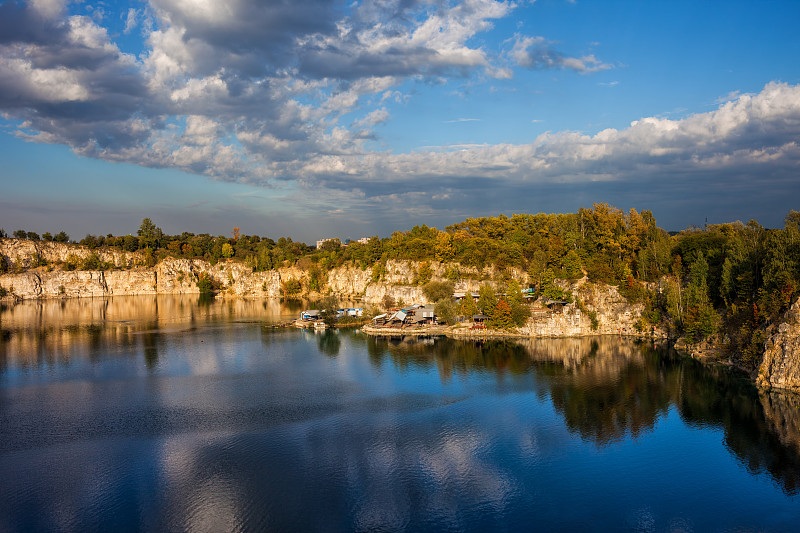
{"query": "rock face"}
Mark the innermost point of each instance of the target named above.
(613, 314)
(780, 368)
(23, 252)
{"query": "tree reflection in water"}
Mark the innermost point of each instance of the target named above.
(608, 388)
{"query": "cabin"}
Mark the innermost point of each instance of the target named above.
(479, 321)
(420, 315)
(311, 314)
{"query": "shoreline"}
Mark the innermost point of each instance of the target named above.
(466, 332)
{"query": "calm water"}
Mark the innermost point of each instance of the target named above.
(157, 414)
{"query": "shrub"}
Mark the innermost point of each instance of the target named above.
(291, 288)
(438, 290)
(446, 310)
(207, 284)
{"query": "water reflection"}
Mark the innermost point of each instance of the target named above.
(48, 332)
(154, 413)
(608, 389)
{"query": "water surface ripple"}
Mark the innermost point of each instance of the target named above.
(169, 413)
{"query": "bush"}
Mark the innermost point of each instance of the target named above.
(388, 302)
(71, 263)
(438, 290)
(446, 310)
(291, 288)
(424, 274)
(207, 284)
(92, 262)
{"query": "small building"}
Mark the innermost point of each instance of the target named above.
(312, 314)
(479, 321)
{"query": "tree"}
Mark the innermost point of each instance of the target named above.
(487, 299)
(424, 274)
(61, 236)
(468, 307)
(206, 283)
(438, 290)
(446, 310)
(20, 234)
(328, 308)
(149, 234)
(519, 311)
(501, 317)
(227, 250)
(444, 247)
(291, 288)
(331, 245)
(571, 265)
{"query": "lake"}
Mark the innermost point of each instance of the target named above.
(180, 414)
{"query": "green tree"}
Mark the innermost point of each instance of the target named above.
(291, 288)
(92, 262)
(468, 307)
(571, 265)
(438, 290)
(328, 308)
(424, 273)
(149, 234)
(446, 310)
(700, 318)
(487, 299)
(227, 250)
(206, 283)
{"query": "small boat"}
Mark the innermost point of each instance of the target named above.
(320, 325)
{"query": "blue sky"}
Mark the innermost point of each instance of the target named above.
(320, 118)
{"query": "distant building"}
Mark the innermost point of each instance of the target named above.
(323, 241)
(363, 240)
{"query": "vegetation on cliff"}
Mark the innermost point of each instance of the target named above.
(726, 281)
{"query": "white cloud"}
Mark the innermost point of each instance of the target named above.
(275, 93)
(538, 53)
(131, 20)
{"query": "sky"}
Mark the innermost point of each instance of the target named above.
(321, 118)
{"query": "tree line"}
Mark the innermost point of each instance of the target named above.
(730, 280)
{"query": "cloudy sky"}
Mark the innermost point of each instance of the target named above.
(322, 118)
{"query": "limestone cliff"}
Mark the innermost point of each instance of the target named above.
(780, 367)
(612, 313)
(22, 253)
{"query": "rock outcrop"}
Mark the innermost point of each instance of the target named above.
(612, 313)
(22, 253)
(780, 367)
(602, 309)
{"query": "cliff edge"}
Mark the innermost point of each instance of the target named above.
(780, 368)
